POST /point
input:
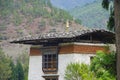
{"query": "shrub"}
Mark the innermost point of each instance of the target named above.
(77, 71)
(103, 65)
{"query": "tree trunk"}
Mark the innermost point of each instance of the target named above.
(117, 32)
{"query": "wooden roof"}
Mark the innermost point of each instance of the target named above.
(89, 35)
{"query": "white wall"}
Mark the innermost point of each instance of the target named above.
(65, 59)
(35, 64)
(35, 68)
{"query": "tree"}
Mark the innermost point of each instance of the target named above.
(13, 69)
(77, 71)
(103, 65)
(111, 22)
(24, 59)
(20, 72)
(117, 29)
(5, 69)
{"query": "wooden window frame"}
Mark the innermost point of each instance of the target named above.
(51, 78)
(50, 59)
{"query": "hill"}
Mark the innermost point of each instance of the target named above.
(92, 14)
(29, 17)
(69, 4)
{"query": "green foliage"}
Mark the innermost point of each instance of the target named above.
(19, 70)
(5, 69)
(42, 23)
(6, 8)
(103, 65)
(13, 68)
(24, 58)
(2, 37)
(78, 21)
(77, 71)
(18, 10)
(72, 72)
(17, 18)
(106, 5)
(111, 21)
(91, 15)
(11, 71)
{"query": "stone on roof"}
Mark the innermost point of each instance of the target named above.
(59, 35)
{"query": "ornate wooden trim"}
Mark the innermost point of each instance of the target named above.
(80, 49)
(69, 49)
(35, 51)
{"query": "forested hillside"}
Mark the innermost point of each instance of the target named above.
(92, 14)
(69, 4)
(28, 17)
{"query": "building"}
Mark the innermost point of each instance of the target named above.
(50, 53)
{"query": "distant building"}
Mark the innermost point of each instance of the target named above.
(50, 53)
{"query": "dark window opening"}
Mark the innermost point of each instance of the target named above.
(51, 78)
(50, 60)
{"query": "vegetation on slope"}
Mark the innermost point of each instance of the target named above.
(29, 17)
(9, 70)
(31, 8)
(91, 15)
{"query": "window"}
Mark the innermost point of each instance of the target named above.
(51, 78)
(50, 60)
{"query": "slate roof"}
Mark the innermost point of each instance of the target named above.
(60, 35)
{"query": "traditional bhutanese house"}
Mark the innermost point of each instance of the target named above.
(50, 53)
